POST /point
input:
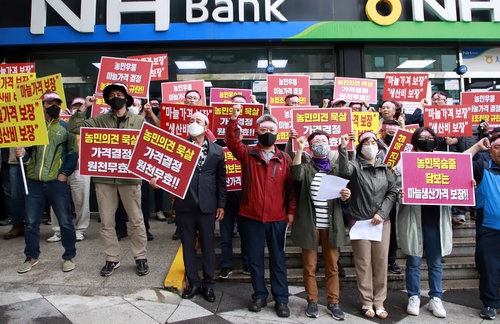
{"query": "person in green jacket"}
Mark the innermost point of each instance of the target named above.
(107, 189)
(318, 221)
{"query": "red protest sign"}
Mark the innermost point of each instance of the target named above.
(247, 119)
(334, 121)
(437, 178)
(135, 74)
(405, 87)
(412, 128)
(174, 118)
(99, 106)
(166, 157)
(159, 71)
(105, 152)
(280, 86)
(173, 92)
(485, 107)
(233, 171)
(400, 143)
(17, 68)
(284, 116)
(358, 90)
(449, 120)
(224, 94)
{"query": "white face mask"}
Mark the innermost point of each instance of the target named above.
(195, 130)
(369, 151)
(133, 110)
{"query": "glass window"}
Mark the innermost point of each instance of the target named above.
(379, 61)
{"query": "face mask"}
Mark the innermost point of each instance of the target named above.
(117, 103)
(133, 110)
(267, 139)
(195, 130)
(320, 149)
(426, 145)
(53, 111)
(388, 139)
(156, 110)
(369, 152)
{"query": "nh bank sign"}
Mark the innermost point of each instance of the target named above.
(222, 11)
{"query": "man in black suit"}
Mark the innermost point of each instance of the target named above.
(203, 204)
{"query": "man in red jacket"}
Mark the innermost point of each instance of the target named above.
(267, 207)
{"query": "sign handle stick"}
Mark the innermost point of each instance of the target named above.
(21, 165)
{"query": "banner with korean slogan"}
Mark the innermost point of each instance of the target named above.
(9, 82)
(22, 123)
(358, 90)
(364, 121)
(224, 95)
(34, 89)
(410, 87)
(174, 118)
(280, 86)
(159, 70)
(136, 74)
(449, 120)
(431, 178)
(233, 171)
(99, 106)
(400, 143)
(17, 68)
(247, 119)
(334, 121)
(166, 157)
(284, 116)
(174, 92)
(485, 107)
(105, 152)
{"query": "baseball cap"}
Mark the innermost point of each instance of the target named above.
(337, 101)
(49, 96)
(120, 86)
(77, 100)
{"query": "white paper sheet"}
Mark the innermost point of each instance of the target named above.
(330, 187)
(365, 230)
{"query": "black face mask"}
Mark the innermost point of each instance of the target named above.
(156, 110)
(267, 139)
(53, 111)
(117, 103)
(388, 139)
(426, 145)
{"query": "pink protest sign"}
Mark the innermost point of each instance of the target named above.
(358, 90)
(233, 171)
(174, 92)
(99, 106)
(284, 116)
(449, 120)
(224, 95)
(485, 107)
(405, 87)
(159, 71)
(280, 86)
(431, 178)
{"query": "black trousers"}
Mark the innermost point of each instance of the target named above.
(488, 265)
(393, 243)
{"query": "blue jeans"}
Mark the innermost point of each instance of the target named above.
(226, 232)
(58, 195)
(17, 193)
(6, 190)
(254, 235)
(432, 246)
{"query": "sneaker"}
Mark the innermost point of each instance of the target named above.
(224, 273)
(246, 270)
(142, 267)
(161, 216)
(394, 268)
(80, 236)
(312, 309)
(413, 307)
(16, 230)
(436, 307)
(68, 265)
(109, 267)
(149, 236)
(488, 313)
(27, 265)
(336, 312)
(461, 217)
(55, 238)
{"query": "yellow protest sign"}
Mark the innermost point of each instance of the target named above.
(34, 89)
(8, 83)
(364, 121)
(22, 123)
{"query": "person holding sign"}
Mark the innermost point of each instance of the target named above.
(267, 207)
(48, 170)
(391, 110)
(424, 227)
(292, 100)
(320, 221)
(107, 189)
(373, 195)
(192, 97)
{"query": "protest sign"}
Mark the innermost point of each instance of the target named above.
(449, 120)
(284, 116)
(34, 89)
(409, 87)
(357, 90)
(174, 92)
(485, 106)
(22, 123)
(247, 119)
(364, 121)
(17, 68)
(412, 128)
(233, 171)
(174, 118)
(159, 70)
(400, 143)
(280, 86)
(224, 95)
(99, 106)
(9, 82)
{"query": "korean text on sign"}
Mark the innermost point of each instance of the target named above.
(166, 157)
(280, 86)
(284, 116)
(17, 68)
(174, 118)
(485, 107)
(8, 85)
(173, 92)
(105, 152)
(334, 121)
(437, 178)
(405, 87)
(22, 123)
(247, 119)
(355, 90)
(135, 74)
(364, 121)
(34, 89)
(159, 71)
(400, 143)
(450, 120)
(224, 95)
(233, 171)
(99, 106)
